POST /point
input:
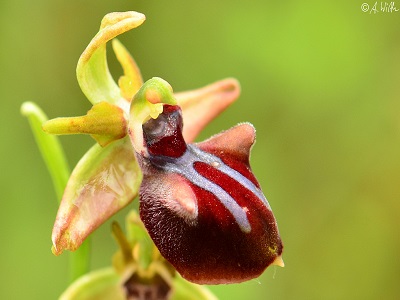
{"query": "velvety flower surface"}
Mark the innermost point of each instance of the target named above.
(202, 205)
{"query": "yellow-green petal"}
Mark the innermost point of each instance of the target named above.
(104, 181)
(92, 70)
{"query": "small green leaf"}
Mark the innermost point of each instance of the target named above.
(49, 146)
(54, 157)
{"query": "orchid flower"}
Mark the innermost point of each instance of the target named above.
(107, 178)
(200, 203)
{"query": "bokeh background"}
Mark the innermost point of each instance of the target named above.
(320, 81)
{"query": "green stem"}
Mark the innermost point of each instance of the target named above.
(56, 162)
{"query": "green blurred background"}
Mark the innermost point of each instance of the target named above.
(320, 81)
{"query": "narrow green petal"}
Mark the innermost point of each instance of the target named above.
(92, 70)
(49, 146)
(103, 284)
(105, 122)
(132, 79)
(104, 181)
(201, 106)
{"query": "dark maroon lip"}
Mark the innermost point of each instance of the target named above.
(202, 205)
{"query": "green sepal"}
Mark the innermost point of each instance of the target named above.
(104, 181)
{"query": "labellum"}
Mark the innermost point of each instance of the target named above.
(202, 205)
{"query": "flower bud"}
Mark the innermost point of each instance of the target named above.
(202, 205)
